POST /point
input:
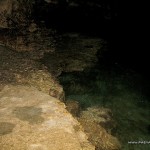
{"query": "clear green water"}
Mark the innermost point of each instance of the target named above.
(121, 91)
(109, 85)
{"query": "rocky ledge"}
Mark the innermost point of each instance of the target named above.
(33, 120)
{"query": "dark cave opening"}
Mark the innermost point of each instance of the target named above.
(116, 22)
(88, 17)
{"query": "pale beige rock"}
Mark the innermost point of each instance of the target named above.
(32, 120)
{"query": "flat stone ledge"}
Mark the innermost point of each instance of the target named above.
(33, 120)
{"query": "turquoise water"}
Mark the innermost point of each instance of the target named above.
(123, 92)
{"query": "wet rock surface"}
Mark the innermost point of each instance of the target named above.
(31, 120)
(73, 107)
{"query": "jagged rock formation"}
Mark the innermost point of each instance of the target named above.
(73, 53)
(15, 13)
(98, 124)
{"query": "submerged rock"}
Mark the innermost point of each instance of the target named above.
(101, 116)
(98, 124)
(99, 137)
(31, 120)
(73, 107)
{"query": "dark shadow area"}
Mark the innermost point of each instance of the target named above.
(120, 23)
